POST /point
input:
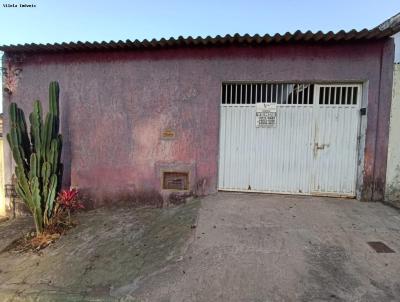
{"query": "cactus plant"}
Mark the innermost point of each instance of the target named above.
(37, 157)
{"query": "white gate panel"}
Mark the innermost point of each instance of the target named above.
(280, 158)
(336, 139)
(235, 146)
(312, 149)
(272, 160)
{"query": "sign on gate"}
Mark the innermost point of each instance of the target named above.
(266, 115)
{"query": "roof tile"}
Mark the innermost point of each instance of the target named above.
(298, 36)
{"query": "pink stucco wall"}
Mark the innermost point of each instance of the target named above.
(114, 106)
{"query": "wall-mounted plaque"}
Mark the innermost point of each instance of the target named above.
(168, 134)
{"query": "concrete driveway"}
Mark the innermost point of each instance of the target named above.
(255, 247)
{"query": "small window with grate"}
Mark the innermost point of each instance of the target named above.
(338, 95)
(175, 181)
(252, 93)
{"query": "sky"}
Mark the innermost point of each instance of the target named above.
(89, 20)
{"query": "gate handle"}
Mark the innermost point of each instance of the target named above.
(320, 147)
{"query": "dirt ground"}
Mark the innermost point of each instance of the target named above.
(245, 247)
(110, 250)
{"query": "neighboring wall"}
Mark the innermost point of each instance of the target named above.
(114, 106)
(392, 193)
(397, 51)
(2, 197)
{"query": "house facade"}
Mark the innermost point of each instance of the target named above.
(303, 113)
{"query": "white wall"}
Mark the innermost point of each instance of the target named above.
(397, 45)
(1, 82)
(392, 192)
(2, 198)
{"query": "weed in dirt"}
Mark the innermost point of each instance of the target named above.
(32, 242)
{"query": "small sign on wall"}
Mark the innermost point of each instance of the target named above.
(266, 116)
(168, 134)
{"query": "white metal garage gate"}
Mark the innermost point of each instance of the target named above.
(310, 147)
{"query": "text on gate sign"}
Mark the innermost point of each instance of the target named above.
(266, 116)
